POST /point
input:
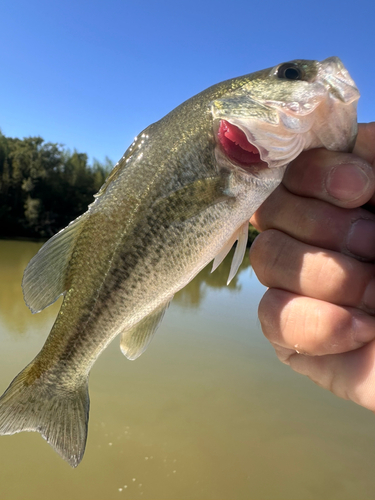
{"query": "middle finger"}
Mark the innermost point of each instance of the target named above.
(280, 261)
(350, 231)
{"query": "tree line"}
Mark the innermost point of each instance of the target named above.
(44, 186)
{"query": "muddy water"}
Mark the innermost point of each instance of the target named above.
(206, 413)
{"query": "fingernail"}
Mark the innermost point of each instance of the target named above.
(361, 239)
(346, 182)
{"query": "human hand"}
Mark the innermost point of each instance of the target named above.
(317, 255)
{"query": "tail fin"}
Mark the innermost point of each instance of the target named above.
(60, 414)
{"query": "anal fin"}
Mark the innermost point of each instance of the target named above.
(136, 340)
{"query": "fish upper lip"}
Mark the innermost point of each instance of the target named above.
(334, 76)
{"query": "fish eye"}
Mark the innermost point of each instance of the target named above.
(289, 71)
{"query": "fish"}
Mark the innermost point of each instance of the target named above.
(180, 197)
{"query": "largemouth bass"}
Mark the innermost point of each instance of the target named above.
(180, 197)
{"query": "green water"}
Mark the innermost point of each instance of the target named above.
(208, 412)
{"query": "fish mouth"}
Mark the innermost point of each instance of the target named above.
(333, 74)
(273, 129)
(238, 148)
(255, 149)
(338, 134)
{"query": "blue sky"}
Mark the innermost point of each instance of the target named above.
(92, 74)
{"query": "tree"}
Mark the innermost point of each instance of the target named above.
(44, 186)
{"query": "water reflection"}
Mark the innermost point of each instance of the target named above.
(14, 314)
(207, 412)
(15, 256)
(193, 294)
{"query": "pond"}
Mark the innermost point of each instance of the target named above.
(207, 412)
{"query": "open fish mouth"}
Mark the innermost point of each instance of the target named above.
(254, 151)
(238, 148)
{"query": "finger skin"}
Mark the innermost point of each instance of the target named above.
(342, 179)
(318, 223)
(351, 176)
(341, 340)
(319, 311)
(304, 207)
(312, 326)
(349, 375)
(365, 144)
(280, 261)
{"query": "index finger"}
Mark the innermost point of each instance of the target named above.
(365, 143)
(343, 179)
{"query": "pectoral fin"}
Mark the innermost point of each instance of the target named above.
(136, 340)
(192, 199)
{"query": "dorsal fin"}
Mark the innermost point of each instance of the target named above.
(136, 340)
(44, 278)
(121, 164)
